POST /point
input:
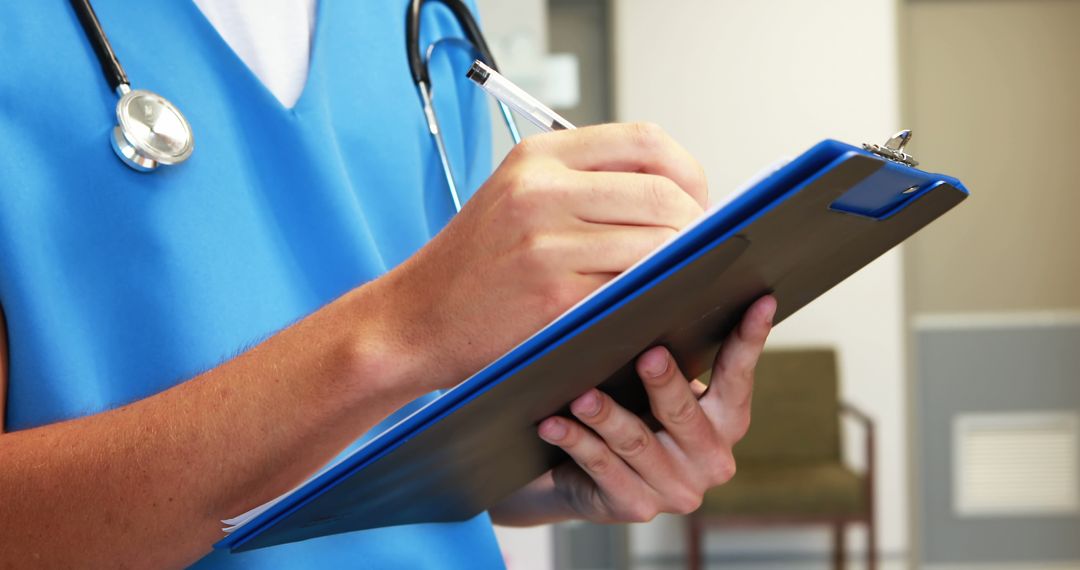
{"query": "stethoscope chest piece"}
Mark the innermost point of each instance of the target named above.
(151, 131)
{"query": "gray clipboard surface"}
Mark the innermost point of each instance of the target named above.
(795, 234)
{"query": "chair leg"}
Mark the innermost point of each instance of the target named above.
(871, 544)
(839, 546)
(693, 542)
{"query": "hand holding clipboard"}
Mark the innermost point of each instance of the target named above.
(795, 234)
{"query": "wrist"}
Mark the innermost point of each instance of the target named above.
(413, 331)
(384, 358)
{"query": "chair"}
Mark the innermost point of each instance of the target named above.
(790, 465)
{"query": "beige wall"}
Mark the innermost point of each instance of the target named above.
(993, 93)
(741, 84)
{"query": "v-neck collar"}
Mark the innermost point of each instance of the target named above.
(238, 62)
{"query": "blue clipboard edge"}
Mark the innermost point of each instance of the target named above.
(740, 212)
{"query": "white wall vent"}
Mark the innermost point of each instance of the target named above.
(1016, 464)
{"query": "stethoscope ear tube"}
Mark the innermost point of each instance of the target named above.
(412, 37)
(419, 70)
(110, 65)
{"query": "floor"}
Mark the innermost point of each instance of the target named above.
(854, 565)
(769, 565)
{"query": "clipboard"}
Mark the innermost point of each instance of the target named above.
(796, 233)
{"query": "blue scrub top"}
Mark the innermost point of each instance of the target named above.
(117, 285)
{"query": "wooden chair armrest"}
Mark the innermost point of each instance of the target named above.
(867, 424)
(859, 415)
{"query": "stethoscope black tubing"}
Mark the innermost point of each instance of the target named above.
(412, 36)
(110, 65)
(115, 75)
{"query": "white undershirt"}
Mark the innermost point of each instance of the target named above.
(272, 37)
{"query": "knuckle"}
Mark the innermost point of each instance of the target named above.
(526, 182)
(723, 469)
(694, 173)
(687, 503)
(683, 414)
(597, 464)
(656, 189)
(639, 511)
(644, 513)
(742, 422)
(666, 234)
(660, 192)
(739, 429)
(700, 177)
(553, 297)
(535, 254)
(518, 203)
(634, 445)
(647, 135)
(649, 240)
(532, 258)
(523, 150)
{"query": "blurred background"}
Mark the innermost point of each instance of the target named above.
(942, 381)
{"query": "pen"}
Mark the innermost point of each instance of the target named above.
(516, 98)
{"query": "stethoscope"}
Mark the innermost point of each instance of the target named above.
(418, 65)
(151, 131)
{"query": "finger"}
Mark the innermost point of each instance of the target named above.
(673, 402)
(632, 441)
(623, 432)
(593, 456)
(733, 374)
(698, 388)
(739, 353)
(626, 198)
(611, 251)
(636, 147)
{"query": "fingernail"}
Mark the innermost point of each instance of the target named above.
(552, 430)
(656, 363)
(587, 405)
(770, 311)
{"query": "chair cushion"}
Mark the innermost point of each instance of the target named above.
(792, 490)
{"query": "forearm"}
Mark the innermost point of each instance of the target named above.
(146, 485)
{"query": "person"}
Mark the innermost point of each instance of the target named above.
(187, 344)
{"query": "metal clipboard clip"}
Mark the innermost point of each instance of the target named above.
(894, 149)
